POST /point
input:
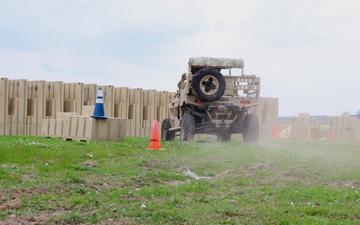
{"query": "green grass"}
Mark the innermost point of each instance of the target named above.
(59, 182)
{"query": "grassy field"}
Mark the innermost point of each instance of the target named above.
(49, 181)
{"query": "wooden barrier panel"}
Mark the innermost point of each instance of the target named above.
(74, 123)
(263, 119)
(64, 115)
(113, 127)
(170, 98)
(36, 107)
(52, 128)
(66, 127)
(88, 110)
(273, 111)
(344, 127)
(149, 111)
(357, 131)
(150, 104)
(4, 99)
(162, 105)
(135, 114)
(84, 128)
(59, 126)
(16, 123)
(89, 97)
(54, 92)
(304, 127)
(267, 112)
(45, 128)
(73, 97)
(121, 103)
(109, 100)
(128, 129)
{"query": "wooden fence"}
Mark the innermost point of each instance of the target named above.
(345, 128)
(26, 104)
(267, 111)
(4, 100)
(304, 127)
(338, 128)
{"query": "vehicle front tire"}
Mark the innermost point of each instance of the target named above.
(224, 136)
(187, 124)
(166, 134)
(251, 129)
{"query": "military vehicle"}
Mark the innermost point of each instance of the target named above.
(212, 99)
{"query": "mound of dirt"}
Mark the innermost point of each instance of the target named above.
(251, 170)
(41, 218)
(351, 184)
(11, 199)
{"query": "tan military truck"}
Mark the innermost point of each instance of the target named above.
(211, 99)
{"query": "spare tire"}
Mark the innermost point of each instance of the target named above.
(166, 134)
(208, 84)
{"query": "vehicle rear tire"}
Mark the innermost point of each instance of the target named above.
(166, 134)
(224, 136)
(237, 126)
(251, 128)
(208, 84)
(187, 124)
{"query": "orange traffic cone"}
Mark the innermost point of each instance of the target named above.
(330, 135)
(155, 137)
(275, 132)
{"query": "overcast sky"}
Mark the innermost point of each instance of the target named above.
(306, 52)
